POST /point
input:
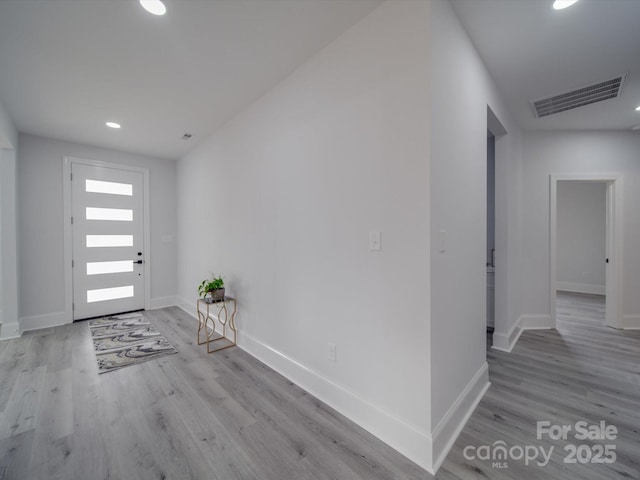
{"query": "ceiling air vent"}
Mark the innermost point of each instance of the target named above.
(593, 93)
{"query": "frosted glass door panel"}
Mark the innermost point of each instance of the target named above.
(113, 214)
(117, 266)
(111, 188)
(108, 241)
(114, 293)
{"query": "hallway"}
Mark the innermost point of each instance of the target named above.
(583, 371)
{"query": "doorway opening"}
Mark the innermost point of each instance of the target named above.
(496, 237)
(491, 234)
(585, 248)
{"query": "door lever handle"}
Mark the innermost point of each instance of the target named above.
(139, 262)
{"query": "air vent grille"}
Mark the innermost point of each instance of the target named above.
(594, 93)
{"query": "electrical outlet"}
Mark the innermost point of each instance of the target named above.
(375, 241)
(331, 352)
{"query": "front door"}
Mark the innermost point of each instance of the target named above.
(108, 236)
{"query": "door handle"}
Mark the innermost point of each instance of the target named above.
(139, 262)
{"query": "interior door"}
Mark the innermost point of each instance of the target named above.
(108, 236)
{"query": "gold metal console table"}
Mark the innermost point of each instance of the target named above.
(203, 307)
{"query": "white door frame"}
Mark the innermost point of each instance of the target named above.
(67, 162)
(614, 252)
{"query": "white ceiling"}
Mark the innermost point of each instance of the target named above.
(533, 51)
(67, 66)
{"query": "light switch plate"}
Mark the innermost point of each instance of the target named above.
(331, 352)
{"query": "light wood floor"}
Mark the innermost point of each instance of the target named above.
(583, 371)
(226, 416)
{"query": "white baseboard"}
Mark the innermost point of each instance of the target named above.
(56, 319)
(9, 330)
(43, 321)
(411, 442)
(631, 322)
(448, 429)
(187, 306)
(404, 438)
(505, 341)
(537, 322)
(581, 288)
(162, 302)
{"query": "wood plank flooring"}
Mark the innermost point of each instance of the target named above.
(227, 416)
(583, 371)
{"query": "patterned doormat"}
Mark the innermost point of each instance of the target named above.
(123, 340)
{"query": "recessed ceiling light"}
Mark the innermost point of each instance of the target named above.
(155, 7)
(560, 4)
(638, 108)
(112, 125)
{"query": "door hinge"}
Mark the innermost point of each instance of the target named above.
(71, 176)
(73, 306)
(71, 220)
(73, 264)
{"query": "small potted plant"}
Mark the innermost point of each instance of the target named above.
(213, 289)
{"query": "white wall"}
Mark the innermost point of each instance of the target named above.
(41, 225)
(2, 230)
(8, 133)
(8, 240)
(578, 153)
(581, 236)
(281, 202)
(461, 91)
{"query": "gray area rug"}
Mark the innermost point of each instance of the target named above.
(123, 340)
